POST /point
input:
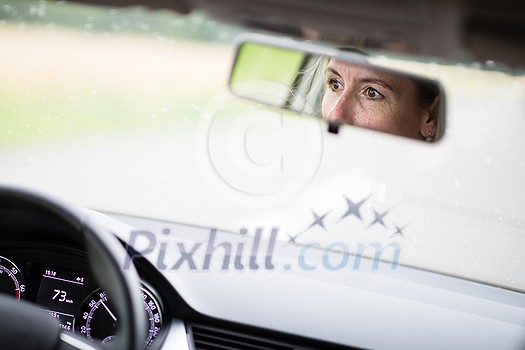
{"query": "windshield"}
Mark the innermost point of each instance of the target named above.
(128, 111)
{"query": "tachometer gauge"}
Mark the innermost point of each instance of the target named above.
(11, 279)
(153, 313)
(98, 321)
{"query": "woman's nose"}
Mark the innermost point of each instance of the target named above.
(341, 109)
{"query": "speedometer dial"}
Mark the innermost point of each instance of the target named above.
(153, 313)
(98, 321)
(11, 279)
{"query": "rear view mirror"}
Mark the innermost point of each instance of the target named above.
(339, 85)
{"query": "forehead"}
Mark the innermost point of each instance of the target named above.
(349, 71)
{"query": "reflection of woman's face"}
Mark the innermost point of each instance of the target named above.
(364, 97)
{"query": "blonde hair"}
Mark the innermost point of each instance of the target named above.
(309, 86)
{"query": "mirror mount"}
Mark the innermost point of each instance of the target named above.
(333, 127)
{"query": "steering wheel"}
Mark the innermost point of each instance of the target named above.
(24, 325)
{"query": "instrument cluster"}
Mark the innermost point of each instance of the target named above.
(61, 285)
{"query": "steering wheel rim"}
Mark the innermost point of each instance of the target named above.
(108, 261)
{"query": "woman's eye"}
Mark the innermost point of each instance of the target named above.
(334, 84)
(372, 93)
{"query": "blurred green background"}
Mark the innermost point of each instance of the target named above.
(69, 70)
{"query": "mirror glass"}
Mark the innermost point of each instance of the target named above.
(339, 85)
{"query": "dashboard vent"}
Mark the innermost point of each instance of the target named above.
(205, 338)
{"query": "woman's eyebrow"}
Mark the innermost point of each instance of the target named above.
(330, 69)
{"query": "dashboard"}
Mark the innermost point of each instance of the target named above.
(59, 281)
(47, 260)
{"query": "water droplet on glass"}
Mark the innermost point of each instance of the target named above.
(177, 22)
(158, 36)
(144, 27)
(7, 8)
(38, 10)
(116, 27)
(196, 20)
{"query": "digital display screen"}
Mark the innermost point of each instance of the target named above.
(60, 294)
